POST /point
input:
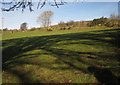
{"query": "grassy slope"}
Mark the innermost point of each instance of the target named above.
(45, 33)
(61, 56)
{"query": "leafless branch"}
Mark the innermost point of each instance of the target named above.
(23, 4)
(43, 4)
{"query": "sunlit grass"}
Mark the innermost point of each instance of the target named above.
(59, 56)
(8, 35)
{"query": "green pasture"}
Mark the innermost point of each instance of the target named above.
(62, 56)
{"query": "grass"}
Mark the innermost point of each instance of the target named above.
(69, 56)
(7, 35)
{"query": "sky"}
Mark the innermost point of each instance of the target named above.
(71, 11)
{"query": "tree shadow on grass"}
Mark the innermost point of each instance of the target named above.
(14, 49)
(104, 76)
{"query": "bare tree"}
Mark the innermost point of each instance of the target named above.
(45, 18)
(114, 16)
(23, 26)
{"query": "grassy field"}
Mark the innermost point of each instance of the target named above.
(66, 56)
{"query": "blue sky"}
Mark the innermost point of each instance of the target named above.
(70, 11)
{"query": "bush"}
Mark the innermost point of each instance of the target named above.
(32, 29)
(65, 28)
(49, 29)
(98, 22)
(68, 28)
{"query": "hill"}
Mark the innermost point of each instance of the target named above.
(66, 56)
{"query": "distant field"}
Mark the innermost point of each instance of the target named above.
(10, 35)
(66, 56)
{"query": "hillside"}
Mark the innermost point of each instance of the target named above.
(84, 56)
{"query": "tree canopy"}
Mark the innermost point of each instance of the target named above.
(23, 26)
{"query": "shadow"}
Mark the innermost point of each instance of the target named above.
(104, 76)
(107, 30)
(14, 49)
(23, 77)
